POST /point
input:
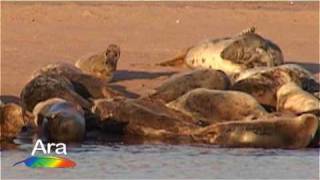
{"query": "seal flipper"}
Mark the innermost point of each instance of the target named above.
(179, 60)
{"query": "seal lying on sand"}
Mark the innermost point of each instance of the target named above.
(279, 132)
(182, 83)
(214, 106)
(142, 118)
(12, 121)
(87, 86)
(44, 87)
(290, 97)
(232, 54)
(60, 121)
(101, 64)
(263, 83)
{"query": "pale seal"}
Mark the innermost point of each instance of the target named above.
(231, 54)
(213, 106)
(291, 98)
(278, 132)
(101, 64)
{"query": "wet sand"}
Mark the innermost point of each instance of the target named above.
(36, 34)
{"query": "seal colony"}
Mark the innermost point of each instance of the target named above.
(239, 93)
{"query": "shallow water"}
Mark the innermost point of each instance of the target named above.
(170, 161)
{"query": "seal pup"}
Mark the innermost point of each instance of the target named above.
(101, 64)
(291, 98)
(12, 121)
(145, 118)
(213, 106)
(231, 54)
(59, 120)
(44, 87)
(86, 85)
(278, 132)
(263, 83)
(180, 84)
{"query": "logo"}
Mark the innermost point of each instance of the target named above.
(48, 161)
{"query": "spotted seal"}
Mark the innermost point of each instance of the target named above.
(60, 120)
(231, 54)
(180, 84)
(214, 106)
(277, 132)
(263, 83)
(101, 64)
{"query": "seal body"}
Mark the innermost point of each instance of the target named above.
(279, 132)
(101, 64)
(12, 121)
(145, 119)
(44, 87)
(86, 85)
(290, 97)
(263, 83)
(215, 106)
(60, 121)
(232, 54)
(182, 83)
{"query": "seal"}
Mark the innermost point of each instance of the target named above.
(86, 85)
(60, 121)
(44, 87)
(101, 64)
(231, 54)
(142, 118)
(263, 83)
(213, 106)
(291, 98)
(12, 121)
(278, 132)
(180, 84)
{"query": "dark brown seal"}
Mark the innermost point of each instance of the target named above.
(60, 121)
(44, 87)
(86, 85)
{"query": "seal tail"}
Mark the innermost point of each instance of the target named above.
(176, 61)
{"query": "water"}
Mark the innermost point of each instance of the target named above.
(170, 161)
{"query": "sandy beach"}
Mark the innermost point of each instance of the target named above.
(36, 34)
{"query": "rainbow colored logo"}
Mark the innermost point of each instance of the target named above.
(47, 162)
